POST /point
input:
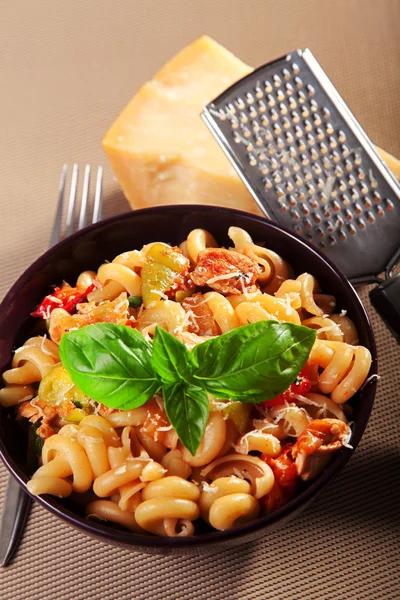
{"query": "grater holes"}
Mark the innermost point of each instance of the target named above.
(347, 165)
(367, 202)
(335, 156)
(298, 131)
(351, 180)
(323, 198)
(276, 176)
(326, 113)
(280, 96)
(289, 187)
(357, 159)
(342, 185)
(277, 81)
(289, 88)
(298, 180)
(292, 200)
(317, 218)
(389, 204)
(315, 166)
(320, 183)
(332, 240)
(364, 188)
(313, 105)
(280, 194)
(307, 174)
(243, 117)
(297, 228)
(304, 209)
(286, 172)
(295, 68)
(246, 131)
(289, 137)
(301, 97)
(295, 117)
(345, 200)
(258, 140)
(264, 120)
(277, 129)
(310, 90)
(274, 114)
(379, 211)
(292, 151)
(307, 223)
(274, 163)
(286, 74)
(300, 144)
(250, 147)
(339, 171)
(285, 123)
(355, 195)
(270, 100)
(240, 104)
(370, 217)
(373, 182)
(283, 109)
(332, 142)
(341, 136)
(316, 120)
(329, 128)
(320, 232)
(230, 109)
(360, 174)
(313, 203)
(258, 92)
(342, 235)
(234, 123)
(267, 183)
(320, 134)
(307, 126)
(326, 163)
(298, 82)
(280, 143)
(295, 215)
(323, 148)
(377, 197)
(345, 150)
(292, 103)
(348, 215)
(249, 98)
(351, 229)
(263, 168)
(361, 223)
(271, 150)
(268, 87)
(335, 206)
(252, 160)
(253, 113)
(326, 212)
(268, 136)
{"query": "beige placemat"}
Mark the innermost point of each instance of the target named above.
(66, 69)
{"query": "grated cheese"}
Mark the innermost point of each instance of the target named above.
(225, 276)
(38, 408)
(43, 348)
(205, 487)
(343, 313)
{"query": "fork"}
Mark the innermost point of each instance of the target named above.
(17, 502)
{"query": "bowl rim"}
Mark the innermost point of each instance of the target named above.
(139, 541)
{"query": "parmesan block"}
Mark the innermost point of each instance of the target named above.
(159, 147)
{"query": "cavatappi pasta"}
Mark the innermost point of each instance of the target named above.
(129, 467)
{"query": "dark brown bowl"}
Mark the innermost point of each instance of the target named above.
(90, 247)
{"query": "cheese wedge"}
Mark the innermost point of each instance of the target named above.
(159, 147)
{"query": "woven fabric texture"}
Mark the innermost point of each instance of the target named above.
(66, 71)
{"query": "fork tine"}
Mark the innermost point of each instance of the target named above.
(56, 231)
(85, 196)
(98, 197)
(71, 202)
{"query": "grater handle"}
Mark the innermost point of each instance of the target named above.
(386, 300)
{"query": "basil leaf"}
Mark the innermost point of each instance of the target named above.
(254, 362)
(110, 363)
(171, 359)
(186, 407)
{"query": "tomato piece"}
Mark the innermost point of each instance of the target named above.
(285, 473)
(66, 297)
(300, 386)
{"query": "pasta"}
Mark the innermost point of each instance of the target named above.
(139, 475)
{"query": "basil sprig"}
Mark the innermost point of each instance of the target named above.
(115, 365)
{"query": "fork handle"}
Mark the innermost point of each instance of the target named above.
(15, 512)
(385, 298)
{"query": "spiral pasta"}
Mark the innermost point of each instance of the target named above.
(130, 462)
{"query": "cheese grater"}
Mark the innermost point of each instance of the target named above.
(310, 166)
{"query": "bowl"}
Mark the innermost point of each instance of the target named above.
(90, 247)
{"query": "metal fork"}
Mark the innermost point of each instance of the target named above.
(16, 502)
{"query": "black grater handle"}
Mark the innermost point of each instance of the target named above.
(386, 300)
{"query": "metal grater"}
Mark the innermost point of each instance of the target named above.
(309, 164)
